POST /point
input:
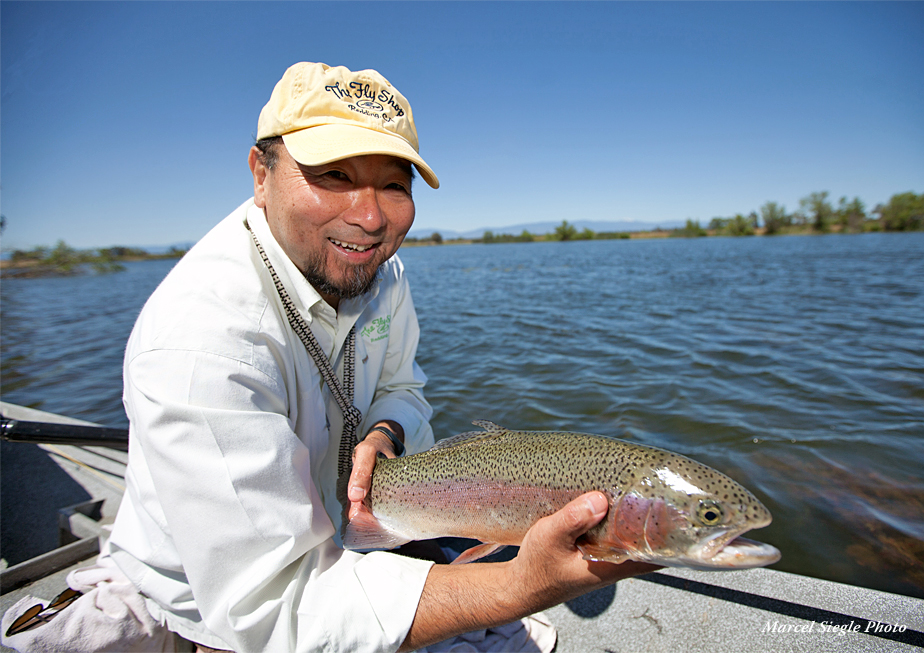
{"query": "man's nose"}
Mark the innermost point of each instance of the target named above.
(365, 210)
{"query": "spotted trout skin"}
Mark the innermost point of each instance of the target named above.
(492, 485)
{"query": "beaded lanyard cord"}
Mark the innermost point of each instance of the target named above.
(343, 394)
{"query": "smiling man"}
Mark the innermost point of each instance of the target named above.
(286, 335)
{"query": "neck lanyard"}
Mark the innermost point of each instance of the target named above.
(343, 394)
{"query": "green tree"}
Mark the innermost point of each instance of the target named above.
(774, 217)
(741, 225)
(38, 253)
(691, 230)
(105, 262)
(119, 252)
(818, 209)
(850, 215)
(904, 212)
(436, 237)
(587, 234)
(565, 231)
(718, 224)
(63, 257)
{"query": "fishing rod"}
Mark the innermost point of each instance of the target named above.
(14, 430)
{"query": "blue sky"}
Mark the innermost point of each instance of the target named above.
(129, 123)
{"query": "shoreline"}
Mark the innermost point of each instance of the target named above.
(653, 234)
(34, 268)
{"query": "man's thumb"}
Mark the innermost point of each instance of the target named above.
(581, 514)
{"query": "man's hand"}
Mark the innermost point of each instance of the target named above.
(364, 456)
(551, 569)
(548, 570)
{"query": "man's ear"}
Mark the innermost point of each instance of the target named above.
(260, 174)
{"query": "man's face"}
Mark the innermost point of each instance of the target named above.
(338, 222)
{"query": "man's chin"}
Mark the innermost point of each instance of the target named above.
(354, 283)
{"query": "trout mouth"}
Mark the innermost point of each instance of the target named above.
(714, 544)
(726, 550)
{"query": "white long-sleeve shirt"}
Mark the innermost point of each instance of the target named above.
(230, 520)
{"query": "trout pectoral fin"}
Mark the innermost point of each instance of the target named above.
(366, 532)
(476, 552)
(602, 553)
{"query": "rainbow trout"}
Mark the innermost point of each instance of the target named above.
(492, 485)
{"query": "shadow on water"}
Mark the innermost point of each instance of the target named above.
(32, 490)
(866, 525)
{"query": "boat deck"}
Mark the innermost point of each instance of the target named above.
(53, 494)
(748, 610)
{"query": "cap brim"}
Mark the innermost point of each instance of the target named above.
(316, 146)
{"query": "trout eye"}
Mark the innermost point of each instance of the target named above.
(709, 513)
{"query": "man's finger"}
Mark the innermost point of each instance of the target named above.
(364, 463)
(361, 476)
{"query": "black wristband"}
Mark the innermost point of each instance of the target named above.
(399, 446)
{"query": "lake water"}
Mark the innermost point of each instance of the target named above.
(793, 364)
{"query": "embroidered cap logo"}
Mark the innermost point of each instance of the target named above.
(326, 113)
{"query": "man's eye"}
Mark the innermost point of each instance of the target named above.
(401, 187)
(336, 174)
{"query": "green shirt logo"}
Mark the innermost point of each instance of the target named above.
(377, 329)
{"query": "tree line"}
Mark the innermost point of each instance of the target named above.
(563, 232)
(816, 214)
(62, 259)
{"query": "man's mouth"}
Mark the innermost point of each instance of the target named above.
(353, 247)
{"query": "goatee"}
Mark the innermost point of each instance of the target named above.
(358, 280)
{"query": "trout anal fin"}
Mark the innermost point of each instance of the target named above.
(477, 552)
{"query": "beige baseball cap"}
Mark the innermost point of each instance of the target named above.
(326, 113)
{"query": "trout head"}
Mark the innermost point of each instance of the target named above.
(682, 513)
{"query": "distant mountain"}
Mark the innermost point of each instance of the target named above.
(539, 228)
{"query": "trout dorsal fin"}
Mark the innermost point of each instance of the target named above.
(488, 425)
(491, 430)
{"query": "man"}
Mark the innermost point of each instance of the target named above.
(229, 525)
